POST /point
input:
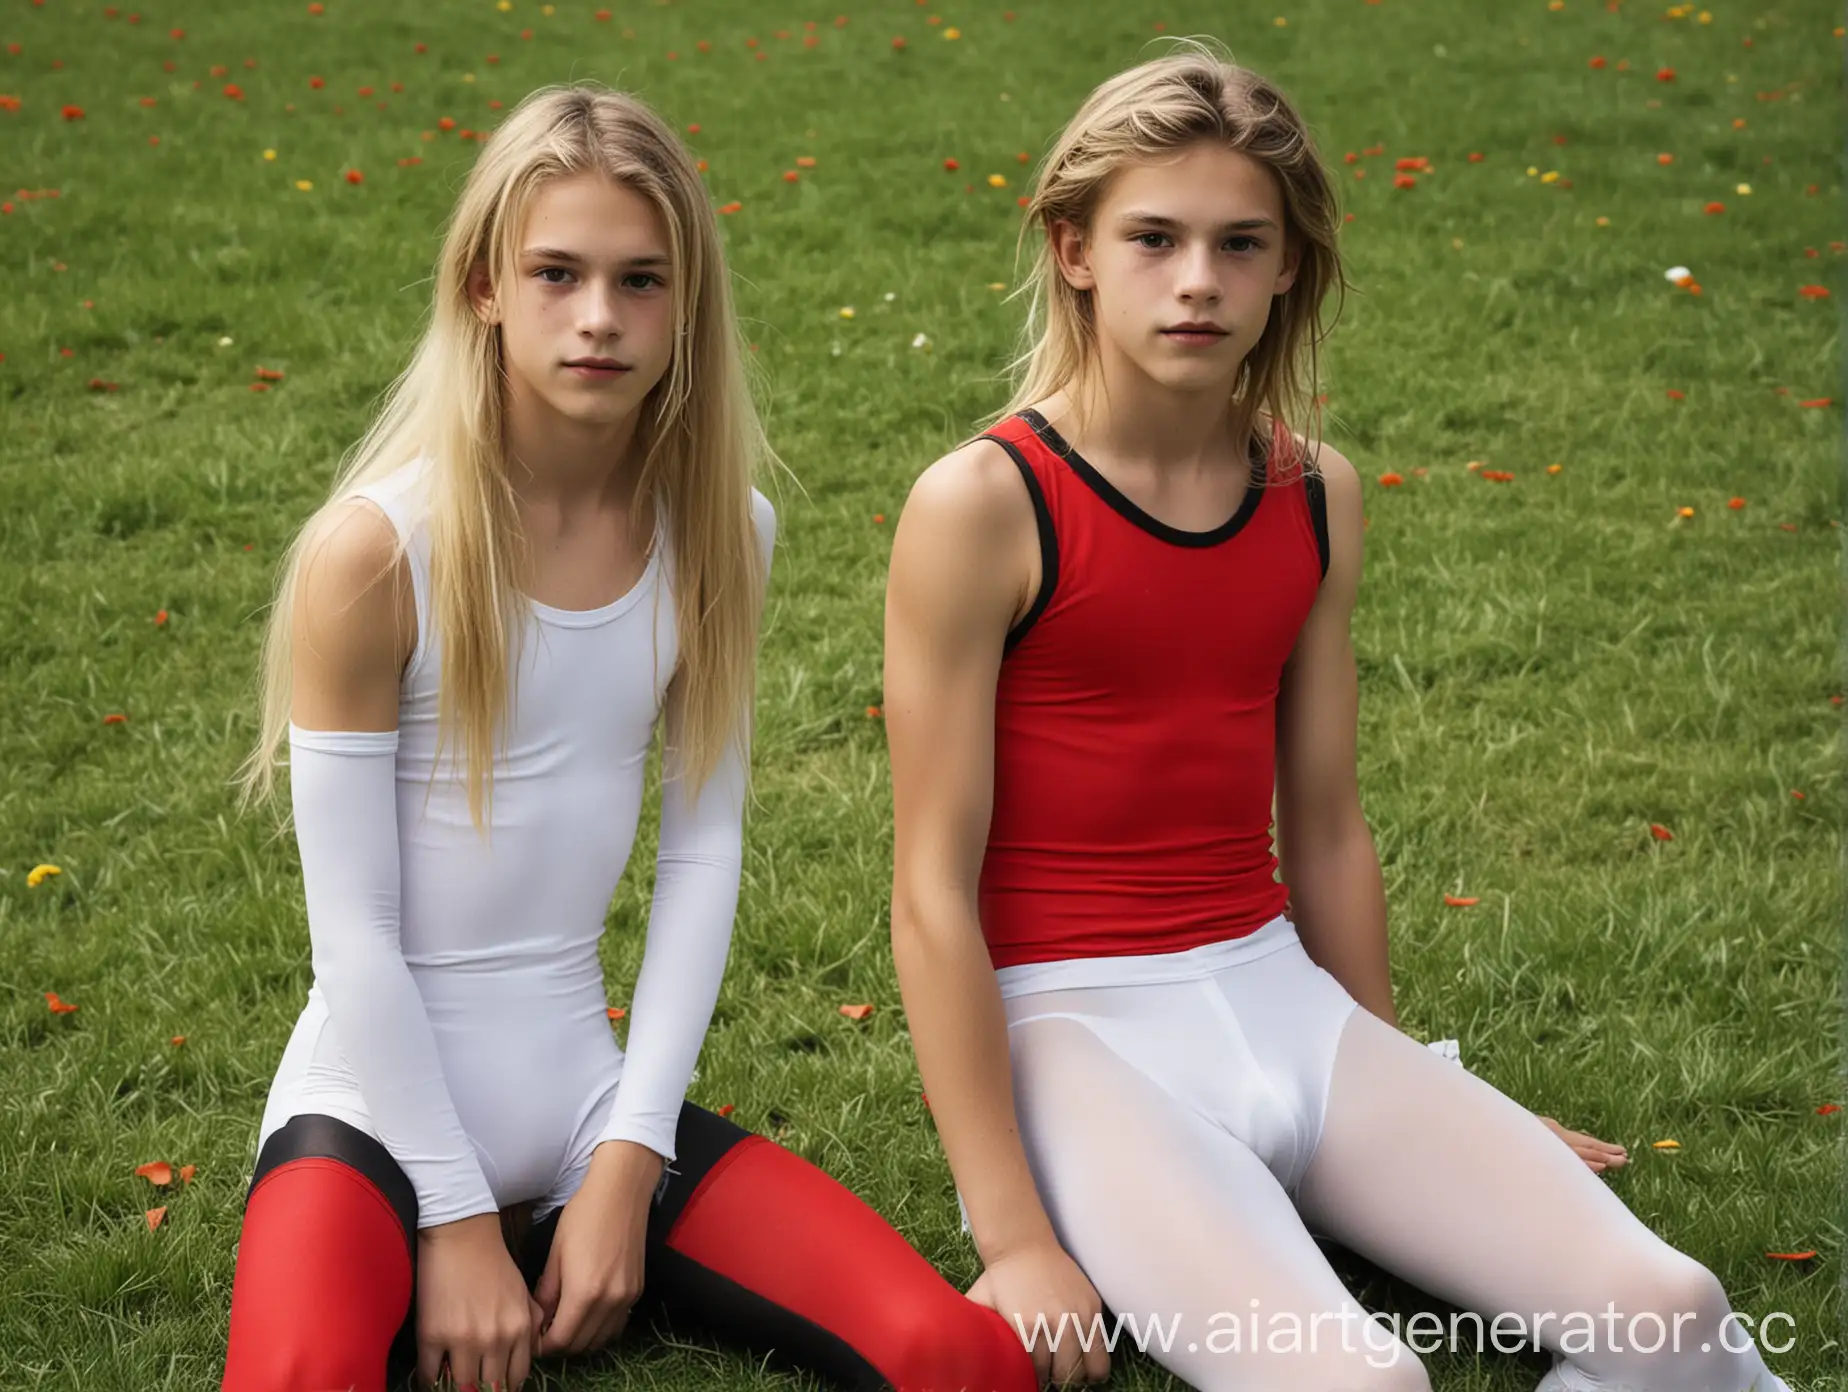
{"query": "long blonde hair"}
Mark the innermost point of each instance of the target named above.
(1155, 110)
(699, 434)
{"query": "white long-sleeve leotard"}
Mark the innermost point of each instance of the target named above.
(458, 1012)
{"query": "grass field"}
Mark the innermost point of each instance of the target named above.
(1548, 665)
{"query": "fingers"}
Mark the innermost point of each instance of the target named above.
(430, 1359)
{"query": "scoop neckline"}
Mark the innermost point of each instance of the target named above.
(1131, 511)
(603, 613)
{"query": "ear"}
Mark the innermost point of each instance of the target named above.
(1072, 253)
(480, 288)
(1292, 262)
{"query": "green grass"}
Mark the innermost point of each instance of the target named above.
(1547, 666)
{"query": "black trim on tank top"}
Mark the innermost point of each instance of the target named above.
(1154, 526)
(1048, 544)
(1317, 494)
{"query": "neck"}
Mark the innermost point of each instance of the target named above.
(556, 462)
(1128, 415)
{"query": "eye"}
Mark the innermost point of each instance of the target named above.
(1154, 241)
(1250, 243)
(646, 280)
(544, 271)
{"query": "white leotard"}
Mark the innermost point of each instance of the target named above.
(458, 1011)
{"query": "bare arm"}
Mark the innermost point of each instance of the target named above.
(1337, 896)
(960, 575)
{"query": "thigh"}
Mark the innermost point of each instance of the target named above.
(1435, 1175)
(322, 1296)
(1175, 1221)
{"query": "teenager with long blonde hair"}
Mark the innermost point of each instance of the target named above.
(1117, 626)
(547, 547)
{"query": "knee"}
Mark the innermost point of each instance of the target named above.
(1683, 1294)
(953, 1345)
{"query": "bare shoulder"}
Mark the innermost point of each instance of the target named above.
(968, 534)
(353, 618)
(974, 493)
(1339, 476)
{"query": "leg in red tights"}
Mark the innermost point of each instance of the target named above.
(325, 1264)
(763, 1249)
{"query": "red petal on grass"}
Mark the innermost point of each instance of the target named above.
(1391, 480)
(615, 1012)
(1714, 208)
(259, 386)
(952, 165)
(1735, 503)
(187, 1172)
(1457, 901)
(353, 176)
(726, 1110)
(115, 719)
(1818, 402)
(97, 384)
(1791, 1256)
(1813, 292)
(154, 1217)
(856, 1012)
(1827, 1109)
(1674, 395)
(156, 1172)
(73, 113)
(873, 712)
(266, 374)
(58, 1007)
(1476, 157)
(160, 618)
(177, 1040)
(1404, 181)
(1665, 74)
(730, 207)
(1660, 832)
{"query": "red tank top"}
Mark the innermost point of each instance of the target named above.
(1135, 718)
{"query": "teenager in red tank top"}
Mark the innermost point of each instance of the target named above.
(1116, 625)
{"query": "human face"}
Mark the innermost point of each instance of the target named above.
(1183, 259)
(587, 318)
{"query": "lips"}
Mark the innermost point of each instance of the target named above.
(600, 364)
(1196, 329)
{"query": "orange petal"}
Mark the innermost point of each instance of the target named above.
(856, 1012)
(177, 1040)
(1666, 1145)
(1660, 832)
(615, 1012)
(1826, 1108)
(156, 1172)
(154, 1216)
(726, 1110)
(1791, 1256)
(58, 1007)
(1457, 902)
(187, 1172)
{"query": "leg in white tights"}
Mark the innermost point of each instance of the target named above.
(1433, 1174)
(1170, 1216)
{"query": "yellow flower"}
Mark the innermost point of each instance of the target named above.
(269, 154)
(1745, 188)
(997, 181)
(504, 6)
(1532, 170)
(1551, 176)
(38, 874)
(303, 184)
(847, 311)
(1604, 222)
(952, 33)
(1281, 22)
(1666, 1145)
(997, 285)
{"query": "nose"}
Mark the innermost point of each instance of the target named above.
(1199, 277)
(600, 311)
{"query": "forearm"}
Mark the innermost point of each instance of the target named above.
(959, 1033)
(1338, 903)
(344, 797)
(697, 874)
